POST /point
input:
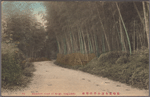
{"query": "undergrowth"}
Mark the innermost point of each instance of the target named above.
(15, 72)
(119, 66)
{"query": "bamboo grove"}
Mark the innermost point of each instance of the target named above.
(98, 26)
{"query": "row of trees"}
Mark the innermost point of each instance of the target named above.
(20, 26)
(98, 26)
(77, 26)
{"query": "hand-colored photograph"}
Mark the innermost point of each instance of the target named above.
(74, 48)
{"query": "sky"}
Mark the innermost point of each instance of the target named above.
(35, 5)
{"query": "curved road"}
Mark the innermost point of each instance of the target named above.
(52, 80)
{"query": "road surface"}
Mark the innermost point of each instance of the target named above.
(52, 80)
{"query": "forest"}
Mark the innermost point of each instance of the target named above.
(113, 35)
(97, 27)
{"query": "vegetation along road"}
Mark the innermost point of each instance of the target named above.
(52, 80)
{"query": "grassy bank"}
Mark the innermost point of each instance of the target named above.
(16, 70)
(119, 66)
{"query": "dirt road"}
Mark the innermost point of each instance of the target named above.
(52, 80)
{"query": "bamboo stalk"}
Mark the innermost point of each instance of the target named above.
(117, 43)
(146, 23)
(75, 43)
(140, 40)
(96, 44)
(71, 42)
(89, 42)
(90, 45)
(80, 42)
(134, 37)
(92, 39)
(124, 28)
(58, 44)
(138, 13)
(122, 37)
(119, 35)
(81, 37)
(137, 43)
(84, 43)
(103, 29)
(103, 49)
(65, 47)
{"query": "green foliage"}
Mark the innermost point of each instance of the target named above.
(132, 69)
(15, 71)
(122, 60)
(23, 29)
(140, 78)
(28, 71)
(111, 57)
(75, 58)
(11, 69)
(120, 66)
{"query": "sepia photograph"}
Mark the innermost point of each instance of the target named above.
(75, 48)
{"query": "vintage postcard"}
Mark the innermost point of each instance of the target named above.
(75, 48)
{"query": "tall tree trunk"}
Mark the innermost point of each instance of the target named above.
(84, 42)
(134, 37)
(146, 23)
(138, 13)
(124, 28)
(140, 40)
(80, 40)
(67, 40)
(75, 43)
(137, 42)
(58, 44)
(90, 44)
(71, 40)
(122, 36)
(103, 29)
(96, 44)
